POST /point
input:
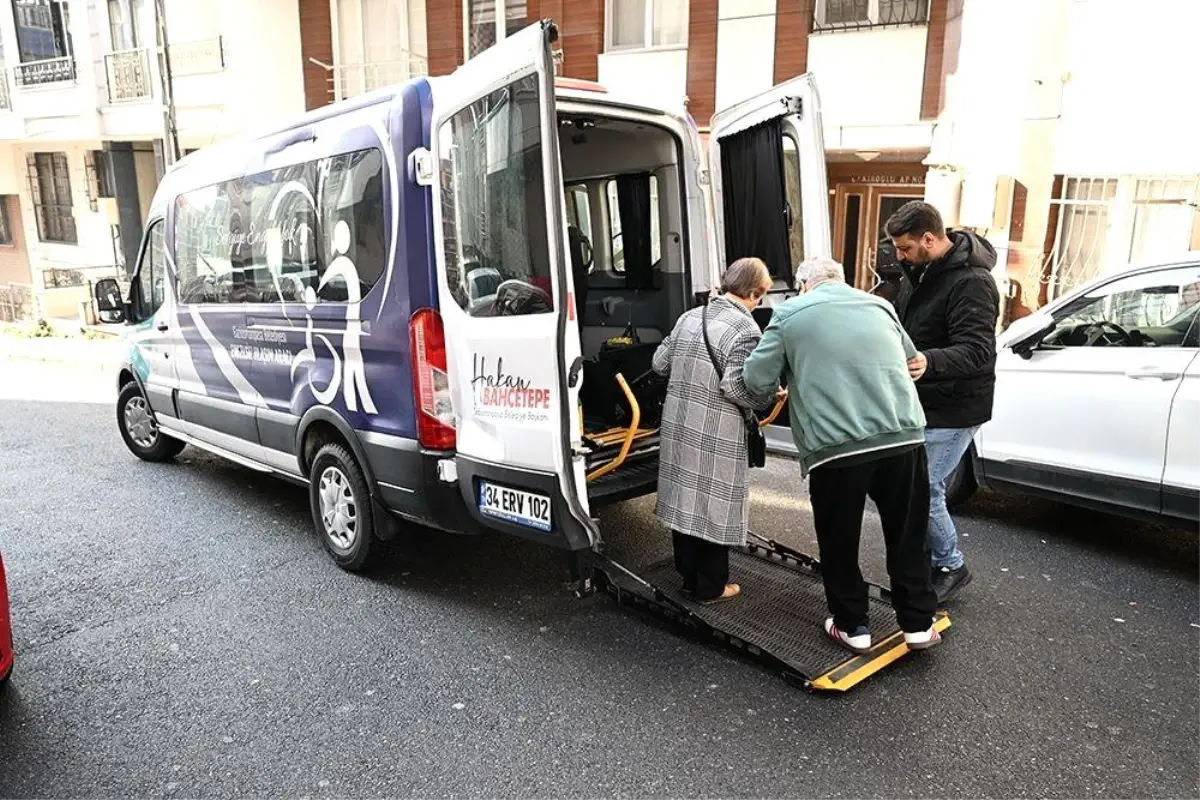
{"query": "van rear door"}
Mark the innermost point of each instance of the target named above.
(505, 293)
(767, 167)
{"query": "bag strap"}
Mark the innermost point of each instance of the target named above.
(708, 345)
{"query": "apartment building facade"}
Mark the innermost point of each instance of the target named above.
(82, 124)
(1053, 127)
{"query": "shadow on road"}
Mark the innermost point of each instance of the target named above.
(1144, 543)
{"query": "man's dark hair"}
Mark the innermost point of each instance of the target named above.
(915, 218)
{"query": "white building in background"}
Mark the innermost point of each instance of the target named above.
(82, 121)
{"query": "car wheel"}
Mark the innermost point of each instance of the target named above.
(961, 484)
(341, 507)
(139, 430)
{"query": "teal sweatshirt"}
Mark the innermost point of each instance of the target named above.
(844, 355)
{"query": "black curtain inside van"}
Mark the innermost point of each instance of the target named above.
(755, 200)
(633, 203)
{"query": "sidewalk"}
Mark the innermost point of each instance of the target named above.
(96, 353)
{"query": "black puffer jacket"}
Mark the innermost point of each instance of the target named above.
(949, 309)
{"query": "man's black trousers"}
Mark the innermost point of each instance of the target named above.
(899, 485)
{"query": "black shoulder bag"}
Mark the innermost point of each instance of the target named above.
(756, 442)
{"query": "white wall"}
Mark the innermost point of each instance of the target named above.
(870, 83)
(661, 73)
(1129, 105)
(745, 50)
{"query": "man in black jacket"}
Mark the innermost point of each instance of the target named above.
(948, 304)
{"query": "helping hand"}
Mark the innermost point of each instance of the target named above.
(917, 366)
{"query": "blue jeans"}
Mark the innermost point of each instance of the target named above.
(944, 448)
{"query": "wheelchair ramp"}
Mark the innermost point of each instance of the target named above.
(777, 619)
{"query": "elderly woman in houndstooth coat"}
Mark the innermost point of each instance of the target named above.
(702, 491)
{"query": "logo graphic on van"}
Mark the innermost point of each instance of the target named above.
(500, 394)
(349, 375)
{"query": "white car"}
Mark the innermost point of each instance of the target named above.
(1098, 399)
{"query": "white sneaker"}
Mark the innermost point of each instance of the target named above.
(923, 640)
(858, 643)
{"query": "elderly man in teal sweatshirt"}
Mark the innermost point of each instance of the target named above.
(860, 432)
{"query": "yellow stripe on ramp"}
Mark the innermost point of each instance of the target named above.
(855, 670)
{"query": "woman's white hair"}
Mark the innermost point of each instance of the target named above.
(819, 269)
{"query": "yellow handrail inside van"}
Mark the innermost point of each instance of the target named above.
(774, 413)
(630, 432)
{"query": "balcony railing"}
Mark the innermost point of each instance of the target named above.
(128, 74)
(43, 73)
(839, 15)
(197, 58)
(351, 80)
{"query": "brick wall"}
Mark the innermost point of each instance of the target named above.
(702, 60)
(793, 22)
(444, 24)
(940, 56)
(316, 41)
(581, 33)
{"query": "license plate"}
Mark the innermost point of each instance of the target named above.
(513, 505)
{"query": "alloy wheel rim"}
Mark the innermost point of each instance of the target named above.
(339, 513)
(139, 424)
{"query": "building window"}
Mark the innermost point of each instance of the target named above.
(489, 21)
(856, 14)
(43, 29)
(123, 16)
(644, 24)
(99, 177)
(50, 189)
(5, 230)
(1166, 217)
(379, 42)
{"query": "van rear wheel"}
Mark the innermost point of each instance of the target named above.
(341, 507)
(139, 430)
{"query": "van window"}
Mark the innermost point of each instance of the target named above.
(152, 275)
(493, 204)
(311, 232)
(615, 215)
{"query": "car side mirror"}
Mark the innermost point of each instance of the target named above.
(110, 307)
(1025, 346)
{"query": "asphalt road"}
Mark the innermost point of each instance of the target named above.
(180, 633)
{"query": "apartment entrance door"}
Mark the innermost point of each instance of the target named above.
(863, 199)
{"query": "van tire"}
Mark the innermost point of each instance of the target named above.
(341, 507)
(139, 429)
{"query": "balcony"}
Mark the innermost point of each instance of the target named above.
(49, 72)
(351, 80)
(5, 95)
(200, 57)
(128, 75)
(853, 15)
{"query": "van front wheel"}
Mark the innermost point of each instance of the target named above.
(139, 430)
(341, 507)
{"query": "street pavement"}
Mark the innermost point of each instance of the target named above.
(180, 633)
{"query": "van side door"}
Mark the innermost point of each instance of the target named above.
(499, 212)
(155, 334)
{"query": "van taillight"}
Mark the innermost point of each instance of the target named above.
(431, 383)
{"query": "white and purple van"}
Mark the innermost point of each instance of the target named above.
(437, 303)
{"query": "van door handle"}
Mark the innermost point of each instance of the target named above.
(1152, 372)
(162, 326)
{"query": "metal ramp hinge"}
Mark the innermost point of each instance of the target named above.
(421, 167)
(794, 105)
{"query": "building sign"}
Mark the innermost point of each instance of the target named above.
(905, 180)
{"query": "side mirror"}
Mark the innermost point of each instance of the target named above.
(1025, 346)
(110, 307)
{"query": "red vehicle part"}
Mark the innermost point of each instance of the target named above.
(6, 645)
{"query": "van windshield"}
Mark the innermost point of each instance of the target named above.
(493, 209)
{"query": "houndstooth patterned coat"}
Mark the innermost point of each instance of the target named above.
(702, 488)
